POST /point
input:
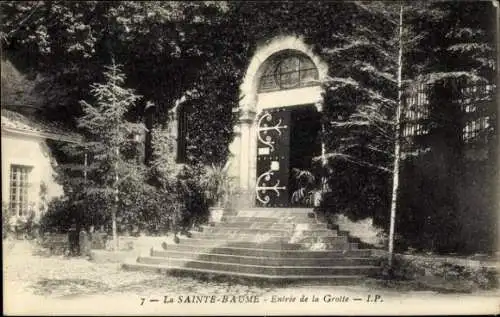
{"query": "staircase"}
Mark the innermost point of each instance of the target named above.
(272, 244)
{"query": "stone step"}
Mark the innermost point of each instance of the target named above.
(232, 218)
(273, 244)
(260, 250)
(272, 225)
(337, 243)
(281, 279)
(238, 237)
(259, 260)
(283, 232)
(259, 269)
(280, 213)
(332, 237)
(271, 210)
(293, 219)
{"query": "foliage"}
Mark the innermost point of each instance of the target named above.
(426, 218)
(25, 226)
(164, 206)
(176, 199)
(6, 214)
(164, 169)
(458, 197)
(217, 184)
(307, 185)
(136, 200)
(462, 56)
(17, 88)
(360, 101)
(42, 196)
(28, 223)
(59, 216)
(401, 269)
(166, 48)
(110, 150)
(200, 50)
(194, 209)
(451, 39)
(444, 272)
(111, 141)
(161, 197)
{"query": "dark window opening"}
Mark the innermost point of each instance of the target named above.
(182, 135)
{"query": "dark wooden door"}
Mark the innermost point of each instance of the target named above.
(273, 158)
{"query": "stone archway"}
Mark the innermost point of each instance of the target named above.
(243, 160)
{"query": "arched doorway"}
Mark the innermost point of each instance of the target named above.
(286, 135)
(281, 99)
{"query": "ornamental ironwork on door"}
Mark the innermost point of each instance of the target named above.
(273, 153)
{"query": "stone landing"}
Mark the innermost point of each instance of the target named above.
(272, 244)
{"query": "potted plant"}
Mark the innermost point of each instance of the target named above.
(218, 188)
(308, 190)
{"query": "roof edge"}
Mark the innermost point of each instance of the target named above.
(45, 135)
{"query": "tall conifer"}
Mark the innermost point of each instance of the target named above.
(110, 139)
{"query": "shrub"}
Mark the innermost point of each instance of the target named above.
(59, 215)
(194, 205)
(152, 212)
(6, 213)
(485, 278)
(415, 268)
(217, 184)
(177, 196)
(24, 226)
(142, 206)
(457, 215)
(401, 270)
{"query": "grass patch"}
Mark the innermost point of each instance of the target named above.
(64, 287)
(429, 273)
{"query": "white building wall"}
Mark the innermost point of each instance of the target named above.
(30, 151)
(289, 98)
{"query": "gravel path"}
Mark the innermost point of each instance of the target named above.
(58, 276)
(58, 285)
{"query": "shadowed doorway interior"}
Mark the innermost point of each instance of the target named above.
(304, 146)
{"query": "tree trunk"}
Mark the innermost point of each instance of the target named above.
(497, 152)
(115, 209)
(397, 143)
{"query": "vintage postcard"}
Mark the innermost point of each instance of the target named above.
(250, 157)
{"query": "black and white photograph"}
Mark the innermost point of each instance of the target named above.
(250, 157)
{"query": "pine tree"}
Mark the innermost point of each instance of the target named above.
(397, 138)
(450, 55)
(110, 140)
(367, 112)
(361, 102)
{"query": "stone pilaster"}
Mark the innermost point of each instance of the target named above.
(245, 122)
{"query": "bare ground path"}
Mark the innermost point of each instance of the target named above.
(57, 285)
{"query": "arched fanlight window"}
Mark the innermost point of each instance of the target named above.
(287, 70)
